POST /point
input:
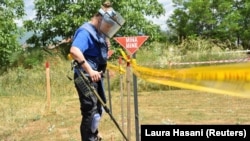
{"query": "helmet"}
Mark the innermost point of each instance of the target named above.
(111, 21)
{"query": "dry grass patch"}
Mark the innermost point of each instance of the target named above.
(25, 118)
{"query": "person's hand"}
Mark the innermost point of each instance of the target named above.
(95, 75)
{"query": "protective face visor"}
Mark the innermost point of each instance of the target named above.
(111, 22)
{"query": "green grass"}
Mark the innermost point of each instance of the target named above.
(26, 116)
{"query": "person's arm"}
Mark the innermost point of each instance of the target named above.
(79, 57)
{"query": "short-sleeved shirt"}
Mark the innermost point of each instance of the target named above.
(92, 44)
(85, 43)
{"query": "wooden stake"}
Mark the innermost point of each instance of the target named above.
(128, 102)
(121, 91)
(48, 86)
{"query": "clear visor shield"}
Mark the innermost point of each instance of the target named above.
(111, 24)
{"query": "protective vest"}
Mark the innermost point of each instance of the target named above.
(97, 62)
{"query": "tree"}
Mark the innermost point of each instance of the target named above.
(226, 20)
(60, 18)
(178, 24)
(10, 10)
(243, 31)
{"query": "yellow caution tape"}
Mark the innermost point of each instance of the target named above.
(115, 68)
(109, 66)
(125, 57)
(223, 83)
(232, 79)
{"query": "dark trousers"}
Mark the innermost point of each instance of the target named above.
(89, 106)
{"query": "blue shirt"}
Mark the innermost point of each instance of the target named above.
(94, 48)
(85, 43)
(92, 44)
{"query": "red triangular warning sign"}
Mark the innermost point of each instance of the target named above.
(131, 44)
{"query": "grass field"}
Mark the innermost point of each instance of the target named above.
(27, 118)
